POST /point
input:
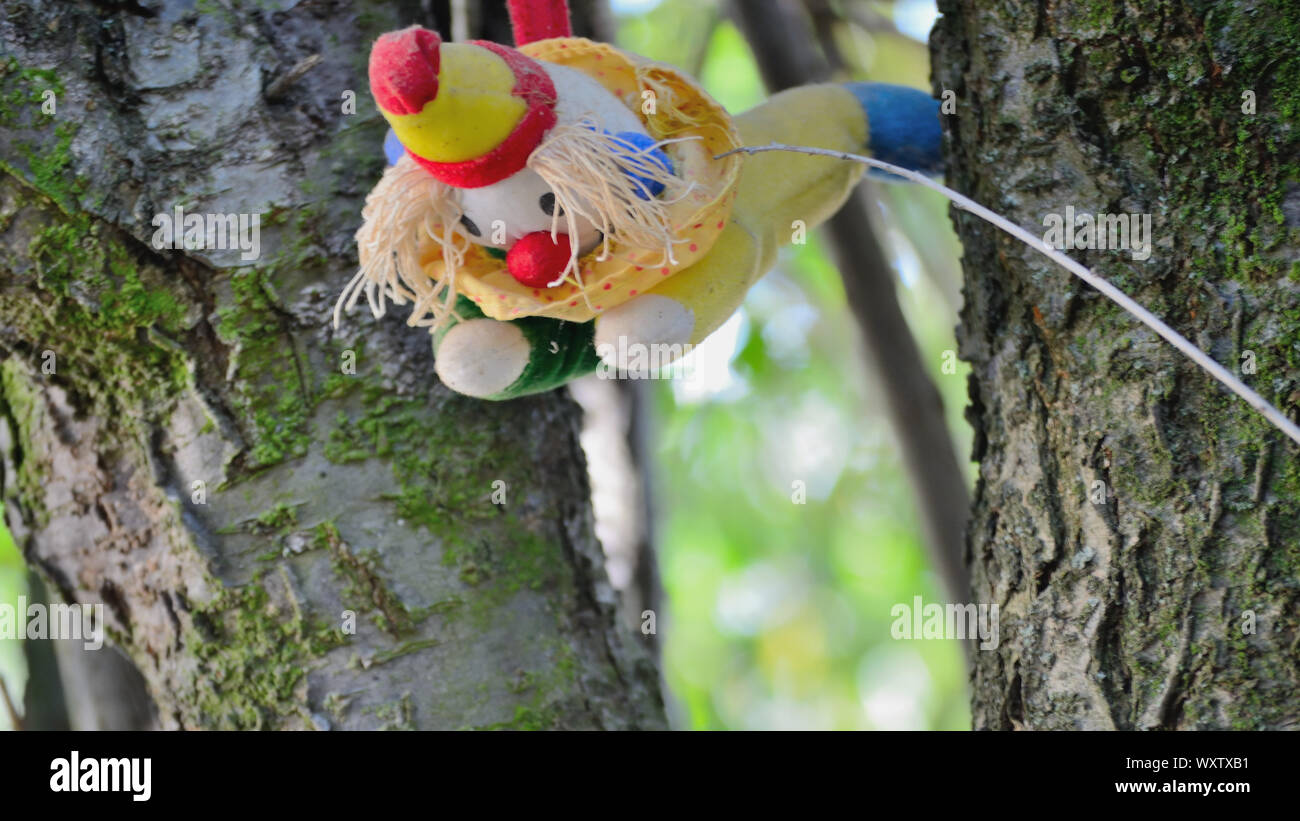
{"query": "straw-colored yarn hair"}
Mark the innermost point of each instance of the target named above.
(407, 206)
(586, 168)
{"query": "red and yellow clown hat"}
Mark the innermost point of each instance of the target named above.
(470, 113)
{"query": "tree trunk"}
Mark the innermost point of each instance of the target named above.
(193, 445)
(1136, 523)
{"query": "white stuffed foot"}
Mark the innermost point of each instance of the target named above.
(481, 357)
(650, 325)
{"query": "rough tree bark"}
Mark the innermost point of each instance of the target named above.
(187, 445)
(1138, 525)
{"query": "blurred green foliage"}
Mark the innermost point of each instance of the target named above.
(778, 613)
(13, 583)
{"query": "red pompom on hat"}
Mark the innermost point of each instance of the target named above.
(404, 69)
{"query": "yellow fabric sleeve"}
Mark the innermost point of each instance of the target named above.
(775, 189)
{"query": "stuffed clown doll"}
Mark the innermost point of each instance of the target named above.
(561, 203)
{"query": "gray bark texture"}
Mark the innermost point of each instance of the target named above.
(186, 441)
(1137, 524)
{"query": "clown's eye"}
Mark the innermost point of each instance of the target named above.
(470, 226)
(547, 204)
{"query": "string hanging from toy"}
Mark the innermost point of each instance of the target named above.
(1200, 357)
(539, 20)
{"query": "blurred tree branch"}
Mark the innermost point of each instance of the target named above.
(44, 704)
(15, 721)
(778, 32)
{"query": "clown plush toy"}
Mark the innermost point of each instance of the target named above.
(559, 202)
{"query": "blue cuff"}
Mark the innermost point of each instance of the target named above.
(903, 126)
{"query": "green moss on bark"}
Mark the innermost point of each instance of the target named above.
(254, 658)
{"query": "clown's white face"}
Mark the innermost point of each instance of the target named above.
(501, 214)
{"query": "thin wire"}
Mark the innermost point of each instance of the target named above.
(1120, 298)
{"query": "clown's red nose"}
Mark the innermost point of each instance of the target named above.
(404, 69)
(536, 260)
